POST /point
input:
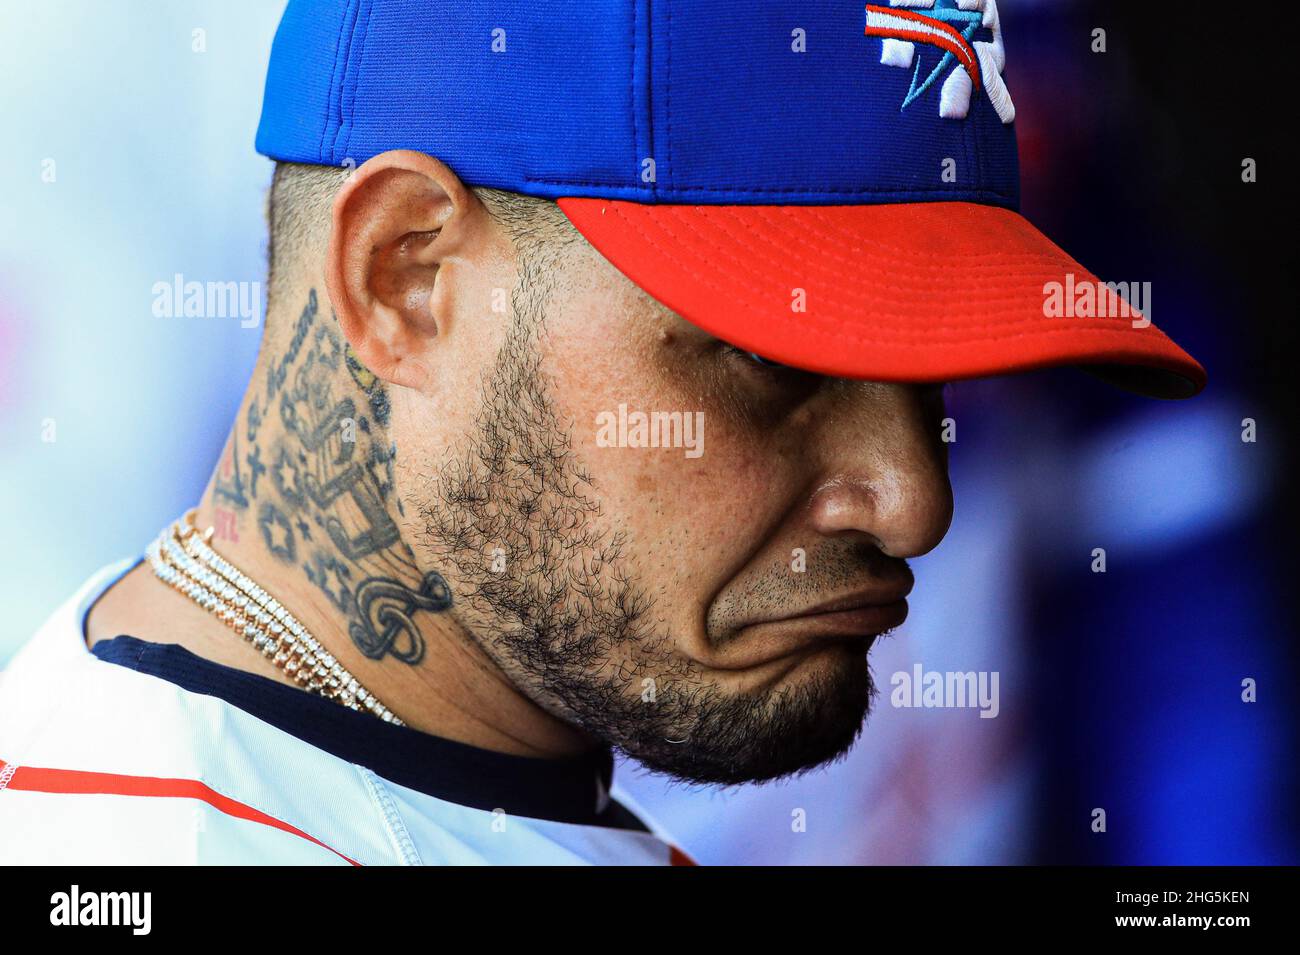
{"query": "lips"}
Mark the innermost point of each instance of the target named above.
(845, 621)
(855, 621)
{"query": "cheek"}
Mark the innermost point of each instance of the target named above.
(693, 515)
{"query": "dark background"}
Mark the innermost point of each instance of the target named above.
(1132, 160)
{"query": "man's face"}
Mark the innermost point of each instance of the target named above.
(706, 607)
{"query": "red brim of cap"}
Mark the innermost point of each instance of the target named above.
(917, 292)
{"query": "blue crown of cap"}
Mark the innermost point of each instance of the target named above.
(693, 101)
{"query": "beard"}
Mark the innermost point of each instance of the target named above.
(542, 581)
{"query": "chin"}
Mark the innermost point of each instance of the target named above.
(811, 716)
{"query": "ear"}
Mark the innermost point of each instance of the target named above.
(403, 224)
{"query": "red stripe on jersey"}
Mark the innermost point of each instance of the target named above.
(678, 857)
(80, 782)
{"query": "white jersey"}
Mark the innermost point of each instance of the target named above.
(143, 753)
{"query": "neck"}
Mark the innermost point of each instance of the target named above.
(303, 501)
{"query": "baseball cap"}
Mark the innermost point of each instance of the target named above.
(830, 185)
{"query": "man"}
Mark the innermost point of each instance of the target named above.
(598, 408)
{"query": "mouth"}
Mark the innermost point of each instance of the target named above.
(872, 620)
(849, 623)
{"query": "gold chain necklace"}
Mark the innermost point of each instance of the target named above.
(182, 558)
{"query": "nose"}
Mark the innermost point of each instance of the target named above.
(884, 471)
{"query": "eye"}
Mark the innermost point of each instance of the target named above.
(756, 360)
(769, 380)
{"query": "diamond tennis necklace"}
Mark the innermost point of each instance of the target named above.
(182, 558)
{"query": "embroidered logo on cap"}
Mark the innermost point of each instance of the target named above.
(950, 27)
